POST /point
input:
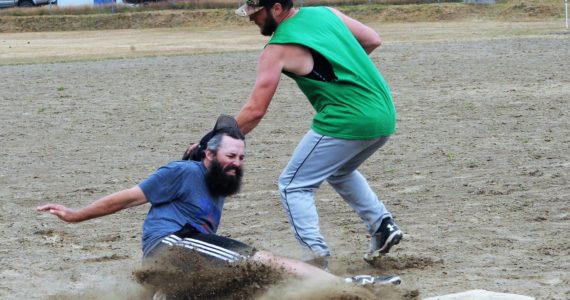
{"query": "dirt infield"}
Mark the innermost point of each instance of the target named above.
(477, 174)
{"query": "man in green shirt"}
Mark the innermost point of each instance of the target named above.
(326, 53)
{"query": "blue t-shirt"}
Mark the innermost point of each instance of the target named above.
(179, 196)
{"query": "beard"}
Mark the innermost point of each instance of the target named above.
(270, 25)
(221, 184)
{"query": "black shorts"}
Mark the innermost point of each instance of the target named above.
(210, 246)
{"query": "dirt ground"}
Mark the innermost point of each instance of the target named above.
(477, 174)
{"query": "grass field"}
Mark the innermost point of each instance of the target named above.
(476, 175)
(63, 46)
(189, 14)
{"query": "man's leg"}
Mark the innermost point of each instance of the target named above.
(317, 275)
(294, 267)
(314, 160)
(356, 191)
(221, 250)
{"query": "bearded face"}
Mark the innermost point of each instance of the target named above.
(270, 25)
(219, 182)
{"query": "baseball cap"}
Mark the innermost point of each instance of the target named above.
(249, 8)
(225, 122)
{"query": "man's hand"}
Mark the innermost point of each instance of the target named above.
(62, 212)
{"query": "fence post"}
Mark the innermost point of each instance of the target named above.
(566, 12)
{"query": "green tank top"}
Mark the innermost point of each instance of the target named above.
(355, 105)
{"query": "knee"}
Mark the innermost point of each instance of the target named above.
(282, 181)
(339, 178)
(282, 184)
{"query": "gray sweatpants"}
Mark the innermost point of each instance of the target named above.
(318, 158)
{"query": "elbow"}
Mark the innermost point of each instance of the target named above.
(371, 44)
(378, 42)
(375, 43)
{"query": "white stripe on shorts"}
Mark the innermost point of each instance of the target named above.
(212, 250)
(171, 240)
(203, 247)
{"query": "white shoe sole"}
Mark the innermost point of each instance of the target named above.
(392, 240)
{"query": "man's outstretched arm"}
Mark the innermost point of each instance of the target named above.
(101, 207)
(269, 70)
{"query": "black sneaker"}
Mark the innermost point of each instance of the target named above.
(376, 280)
(388, 235)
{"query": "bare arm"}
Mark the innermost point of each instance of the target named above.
(102, 207)
(268, 74)
(366, 36)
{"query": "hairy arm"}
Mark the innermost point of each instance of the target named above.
(366, 36)
(101, 207)
(269, 70)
